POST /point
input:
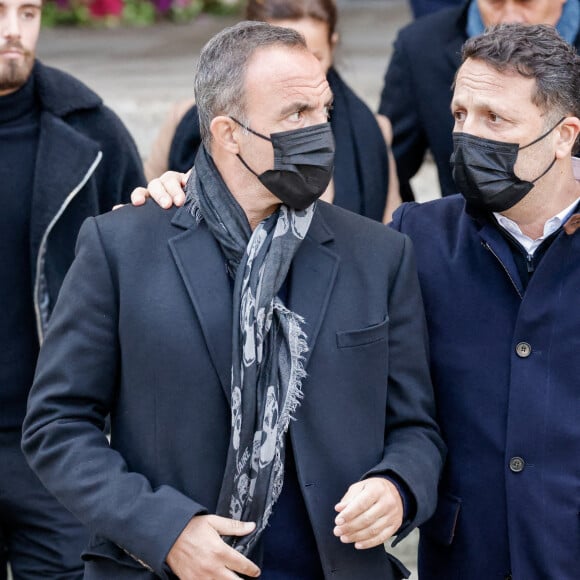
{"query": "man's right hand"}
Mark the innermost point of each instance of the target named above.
(200, 553)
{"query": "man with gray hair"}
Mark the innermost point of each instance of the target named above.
(500, 275)
(262, 355)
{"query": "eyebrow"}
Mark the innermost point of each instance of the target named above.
(300, 106)
(296, 106)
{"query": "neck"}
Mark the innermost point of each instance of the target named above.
(257, 202)
(543, 203)
(17, 103)
(254, 218)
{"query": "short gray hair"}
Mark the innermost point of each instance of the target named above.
(221, 70)
(537, 52)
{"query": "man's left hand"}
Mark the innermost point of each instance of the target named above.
(369, 513)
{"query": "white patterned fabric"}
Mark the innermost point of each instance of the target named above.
(268, 345)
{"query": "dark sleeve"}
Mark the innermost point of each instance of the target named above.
(414, 450)
(399, 102)
(76, 382)
(186, 142)
(409, 508)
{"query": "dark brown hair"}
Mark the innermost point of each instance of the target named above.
(269, 10)
(537, 52)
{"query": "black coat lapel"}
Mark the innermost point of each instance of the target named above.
(203, 268)
(314, 271)
(57, 182)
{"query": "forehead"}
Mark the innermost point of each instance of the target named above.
(539, 10)
(282, 73)
(20, 3)
(478, 83)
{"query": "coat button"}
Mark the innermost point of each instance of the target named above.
(517, 464)
(523, 349)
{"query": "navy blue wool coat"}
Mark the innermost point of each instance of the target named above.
(86, 163)
(505, 367)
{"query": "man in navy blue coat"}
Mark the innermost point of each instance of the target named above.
(417, 89)
(240, 343)
(500, 273)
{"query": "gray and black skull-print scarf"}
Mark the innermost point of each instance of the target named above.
(268, 345)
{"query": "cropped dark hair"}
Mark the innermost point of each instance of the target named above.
(537, 52)
(322, 10)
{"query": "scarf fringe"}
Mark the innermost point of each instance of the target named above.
(298, 345)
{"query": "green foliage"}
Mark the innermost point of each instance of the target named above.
(186, 13)
(135, 12)
(75, 14)
(223, 7)
(138, 12)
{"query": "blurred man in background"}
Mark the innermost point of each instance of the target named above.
(63, 157)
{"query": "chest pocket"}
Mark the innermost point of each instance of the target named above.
(363, 336)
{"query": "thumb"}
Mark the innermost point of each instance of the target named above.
(229, 527)
(185, 177)
(351, 493)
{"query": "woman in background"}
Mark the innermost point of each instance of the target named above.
(365, 179)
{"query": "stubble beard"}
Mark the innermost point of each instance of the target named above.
(15, 72)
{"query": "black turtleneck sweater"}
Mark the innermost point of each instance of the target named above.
(19, 130)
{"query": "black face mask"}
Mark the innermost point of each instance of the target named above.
(303, 164)
(483, 171)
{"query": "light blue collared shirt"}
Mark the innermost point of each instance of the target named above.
(567, 26)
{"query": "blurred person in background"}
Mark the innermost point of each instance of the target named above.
(365, 180)
(417, 90)
(63, 157)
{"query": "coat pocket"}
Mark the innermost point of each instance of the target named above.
(101, 549)
(443, 524)
(363, 336)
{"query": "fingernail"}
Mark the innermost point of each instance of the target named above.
(337, 531)
(165, 201)
(339, 521)
(358, 546)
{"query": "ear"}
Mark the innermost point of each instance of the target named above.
(334, 40)
(224, 134)
(567, 134)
